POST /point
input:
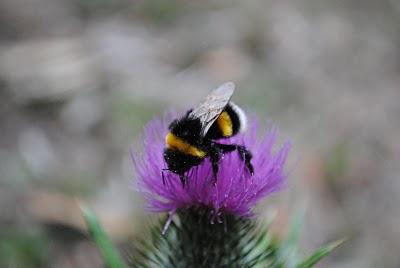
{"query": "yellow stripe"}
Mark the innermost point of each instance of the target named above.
(225, 124)
(176, 143)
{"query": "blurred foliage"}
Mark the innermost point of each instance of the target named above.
(337, 162)
(267, 97)
(89, 8)
(71, 186)
(133, 115)
(160, 11)
(23, 247)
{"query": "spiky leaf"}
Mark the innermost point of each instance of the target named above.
(320, 253)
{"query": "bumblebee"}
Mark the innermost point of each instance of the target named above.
(193, 137)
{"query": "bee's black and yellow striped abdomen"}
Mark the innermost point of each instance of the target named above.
(229, 123)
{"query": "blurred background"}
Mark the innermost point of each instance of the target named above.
(80, 78)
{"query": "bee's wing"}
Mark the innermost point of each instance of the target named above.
(209, 110)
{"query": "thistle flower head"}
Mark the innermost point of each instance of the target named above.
(234, 192)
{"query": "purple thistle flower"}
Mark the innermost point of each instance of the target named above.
(235, 192)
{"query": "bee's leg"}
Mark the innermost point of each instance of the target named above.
(226, 148)
(163, 177)
(244, 154)
(215, 156)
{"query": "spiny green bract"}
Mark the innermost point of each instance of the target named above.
(194, 240)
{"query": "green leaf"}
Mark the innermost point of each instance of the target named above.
(23, 247)
(109, 254)
(288, 250)
(320, 253)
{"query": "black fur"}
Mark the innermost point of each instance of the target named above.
(234, 118)
(187, 129)
(179, 162)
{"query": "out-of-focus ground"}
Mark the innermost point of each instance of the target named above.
(79, 80)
